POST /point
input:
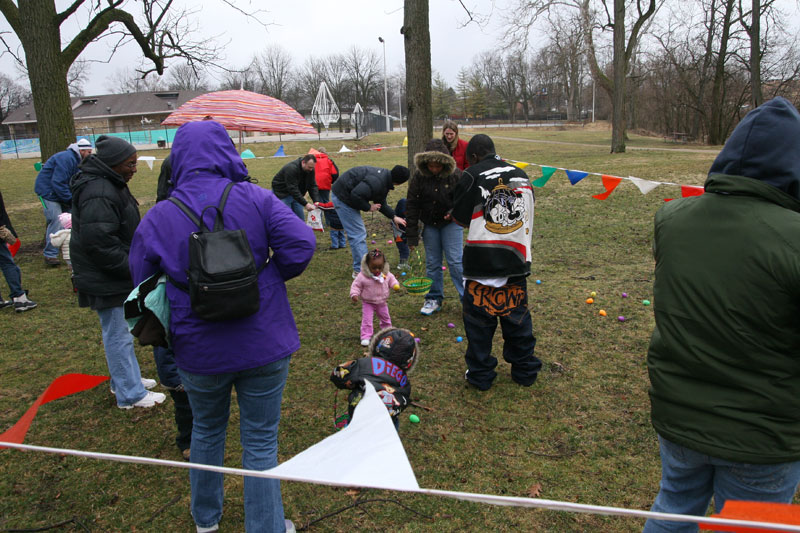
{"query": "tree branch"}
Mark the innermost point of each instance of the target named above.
(64, 15)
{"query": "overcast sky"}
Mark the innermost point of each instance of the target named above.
(316, 28)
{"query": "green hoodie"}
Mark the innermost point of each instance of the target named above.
(724, 359)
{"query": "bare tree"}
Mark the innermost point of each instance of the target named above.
(309, 78)
(77, 75)
(522, 17)
(339, 83)
(12, 96)
(182, 77)
(128, 80)
(161, 32)
(364, 74)
(417, 38)
(274, 69)
(244, 78)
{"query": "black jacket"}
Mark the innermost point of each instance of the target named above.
(430, 197)
(4, 220)
(390, 382)
(104, 217)
(293, 181)
(359, 186)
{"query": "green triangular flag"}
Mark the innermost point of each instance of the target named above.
(547, 173)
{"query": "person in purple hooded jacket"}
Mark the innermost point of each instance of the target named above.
(252, 353)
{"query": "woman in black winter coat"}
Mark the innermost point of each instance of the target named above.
(430, 199)
(104, 217)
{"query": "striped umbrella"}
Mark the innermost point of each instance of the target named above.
(242, 111)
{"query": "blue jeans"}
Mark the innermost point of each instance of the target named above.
(51, 211)
(338, 238)
(258, 391)
(450, 240)
(295, 206)
(689, 479)
(126, 378)
(355, 228)
(10, 271)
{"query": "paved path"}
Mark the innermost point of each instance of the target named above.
(590, 145)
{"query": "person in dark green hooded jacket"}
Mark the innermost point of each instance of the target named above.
(724, 358)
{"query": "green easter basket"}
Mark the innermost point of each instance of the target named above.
(417, 284)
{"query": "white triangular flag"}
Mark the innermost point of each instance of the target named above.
(367, 453)
(148, 159)
(345, 149)
(645, 186)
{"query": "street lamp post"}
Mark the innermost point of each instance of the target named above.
(385, 87)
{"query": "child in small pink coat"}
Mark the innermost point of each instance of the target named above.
(373, 285)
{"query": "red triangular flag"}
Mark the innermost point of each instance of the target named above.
(778, 513)
(60, 387)
(690, 190)
(610, 183)
(14, 248)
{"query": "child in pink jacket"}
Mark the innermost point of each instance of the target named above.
(373, 285)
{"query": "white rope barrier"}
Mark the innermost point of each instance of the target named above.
(551, 505)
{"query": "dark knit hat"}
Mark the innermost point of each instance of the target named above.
(397, 346)
(112, 150)
(399, 174)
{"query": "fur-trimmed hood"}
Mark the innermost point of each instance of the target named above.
(365, 269)
(375, 338)
(422, 159)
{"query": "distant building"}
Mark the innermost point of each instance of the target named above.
(107, 113)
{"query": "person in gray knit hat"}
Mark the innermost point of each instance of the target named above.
(104, 217)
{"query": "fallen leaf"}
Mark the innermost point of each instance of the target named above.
(535, 490)
(328, 351)
(423, 329)
(353, 492)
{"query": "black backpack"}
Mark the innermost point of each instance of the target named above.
(222, 274)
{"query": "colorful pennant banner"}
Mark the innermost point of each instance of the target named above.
(610, 182)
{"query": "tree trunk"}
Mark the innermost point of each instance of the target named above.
(620, 70)
(755, 55)
(41, 40)
(716, 130)
(416, 30)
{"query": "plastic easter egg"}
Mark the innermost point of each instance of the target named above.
(402, 273)
(417, 339)
(444, 268)
(624, 294)
(451, 325)
(589, 300)
(459, 339)
(373, 241)
(374, 234)
(602, 312)
(621, 318)
(593, 294)
(389, 241)
(396, 287)
(37, 166)
(538, 282)
(413, 418)
(645, 302)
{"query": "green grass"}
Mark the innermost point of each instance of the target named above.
(582, 431)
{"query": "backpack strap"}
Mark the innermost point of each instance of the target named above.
(188, 212)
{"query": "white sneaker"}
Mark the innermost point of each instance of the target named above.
(212, 529)
(430, 307)
(403, 266)
(364, 342)
(146, 383)
(289, 526)
(355, 274)
(150, 399)
(22, 303)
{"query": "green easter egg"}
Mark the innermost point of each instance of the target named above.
(37, 166)
(646, 302)
(414, 419)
